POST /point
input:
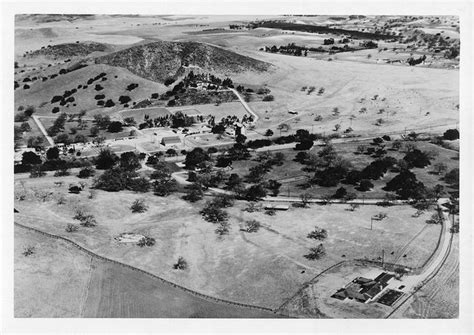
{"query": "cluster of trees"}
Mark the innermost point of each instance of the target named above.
(176, 120)
(213, 212)
(121, 174)
(131, 87)
(101, 75)
(25, 114)
(58, 125)
(331, 169)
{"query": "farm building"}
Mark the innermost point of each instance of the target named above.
(363, 289)
(170, 140)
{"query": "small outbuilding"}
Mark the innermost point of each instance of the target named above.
(170, 140)
(277, 207)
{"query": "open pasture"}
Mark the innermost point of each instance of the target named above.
(263, 268)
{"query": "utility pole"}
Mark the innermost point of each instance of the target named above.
(383, 257)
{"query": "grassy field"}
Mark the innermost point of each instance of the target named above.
(60, 281)
(119, 292)
(50, 283)
(263, 268)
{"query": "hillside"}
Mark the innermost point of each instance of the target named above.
(158, 60)
(41, 93)
(70, 50)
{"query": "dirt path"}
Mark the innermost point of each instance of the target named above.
(246, 106)
(41, 127)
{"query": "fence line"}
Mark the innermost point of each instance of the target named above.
(195, 293)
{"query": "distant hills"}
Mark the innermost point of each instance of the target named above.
(159, 60)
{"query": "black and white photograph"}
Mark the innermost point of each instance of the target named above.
(179, 165)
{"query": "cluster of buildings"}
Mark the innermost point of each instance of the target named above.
(363, 289)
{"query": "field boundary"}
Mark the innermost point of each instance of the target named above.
(195, 293)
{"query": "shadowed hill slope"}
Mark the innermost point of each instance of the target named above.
(158, 60)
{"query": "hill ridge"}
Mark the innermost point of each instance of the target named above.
(162, 59)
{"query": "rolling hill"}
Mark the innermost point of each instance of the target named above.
(159, 60)
(40, 93)
(70, 50)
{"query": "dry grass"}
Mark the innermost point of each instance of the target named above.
(50, 283)
(263, 268)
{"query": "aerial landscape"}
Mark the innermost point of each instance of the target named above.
(226, 166)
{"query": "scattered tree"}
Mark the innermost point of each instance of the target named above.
(316, 253)
(139, 206)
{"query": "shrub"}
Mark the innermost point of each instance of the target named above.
(123, 99)
(115, 127)
(268, 97)
(318, 234)
(99, 96)
(28, 251)
(222, 229)
(194, 193)
(316, 253)
(146, 242)
(365, 185)
(451, 134)
(132, 86)
(169, 81)
(29, 111)
(223, 200)
(304, 145)
(21, 117)
(417, 158)
(37, 172)
(70, 228)
(109, 103)
(214, 214)
(252, 226)
(98, 87)
(181, 264)
(25, 127)
(341, 192)
(139, 206)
